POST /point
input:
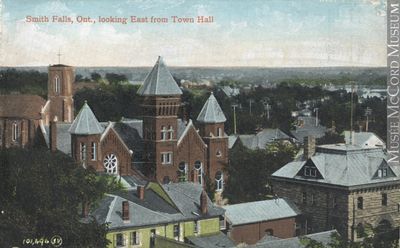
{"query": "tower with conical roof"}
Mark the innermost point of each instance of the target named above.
(211, 122)
(161, 100)
(85, 138)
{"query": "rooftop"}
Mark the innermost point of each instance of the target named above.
(21, 106)
(159, 82)
(86, 122)
(211, 112)
(259, 211)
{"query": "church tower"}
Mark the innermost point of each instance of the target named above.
(161, 100)
(211, 124)
(60, 92)
(85, 140)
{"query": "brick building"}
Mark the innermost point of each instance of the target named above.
(342, 187)
(159, 146)
(22, 115)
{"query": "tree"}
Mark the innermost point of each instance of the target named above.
(95, 76)
(41, 195)
(249, 170)
(114, 78)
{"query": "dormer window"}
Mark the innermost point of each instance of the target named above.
(310, 171)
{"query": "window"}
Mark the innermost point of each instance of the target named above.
(360, 230)
(163, 133)
(110, 163)
(380, 173)
(219, 132)
(310, 171)
(94, 151)
(15, 132)
(135, 238)
(182, 171)
(83, 152)
(384, 172)
(166, 158)
(304, 197)
(199, 169)
(219, 181)
(222, 224)
(57, 84)
(219, 154)
(170, 133)
(120, 239)
(360, 203)
(176, 231)
(152, 237)
(384, 199)
(313, 199)
(196, 227)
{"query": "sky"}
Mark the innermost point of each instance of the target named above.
(263, 33)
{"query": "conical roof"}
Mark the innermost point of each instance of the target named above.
(86, 122)
(211, 112)
(159, 82)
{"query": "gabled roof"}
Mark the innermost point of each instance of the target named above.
(211, 112)
(262, 138)
(86, 122)
(364, 139)
(21, 106)
(260, 211)
(342, 165)
(159, 82)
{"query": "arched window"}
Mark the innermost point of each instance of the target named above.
(83, 152)
(163, 133)
(219, 153)
(360, 203)
(219, 181)
(15, 131)
(182, 171)
(199, 169)
(170, 132)
(94, 151)
(57, 84)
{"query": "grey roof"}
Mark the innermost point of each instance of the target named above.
(211, 112)
(159, 82)
(262, 138)
(342, 165)
(154, 208)
(217, 240)
(86, 122)
(232, 140)
(308, 128)
(259, 211)
(323, 237)
(186, 196)
(63, 137)
(364, 139)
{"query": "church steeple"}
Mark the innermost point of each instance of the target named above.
(86, 122)
(211, 112)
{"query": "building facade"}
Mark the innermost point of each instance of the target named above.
(343, 187)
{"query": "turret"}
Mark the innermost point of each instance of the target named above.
(211, 122)
(85, 140)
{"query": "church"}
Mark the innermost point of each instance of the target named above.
(159, 146)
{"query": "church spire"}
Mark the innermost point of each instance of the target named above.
(211, 112)
(159, 82)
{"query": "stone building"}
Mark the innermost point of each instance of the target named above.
(342, 187)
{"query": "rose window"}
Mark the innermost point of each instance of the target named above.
(110, 163)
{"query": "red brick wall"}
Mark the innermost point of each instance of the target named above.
(251, 233)
(27, 130)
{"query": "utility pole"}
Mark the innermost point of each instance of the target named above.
(250, 102)
(316, 116)
(234, 117)
(351, 114)
(368, 112)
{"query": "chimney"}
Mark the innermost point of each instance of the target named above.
(140, 192)
(85, 209)
(203, 202)
(125, 210)
(309, 146)
(53, 135)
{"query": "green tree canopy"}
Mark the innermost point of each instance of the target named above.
(41, 195)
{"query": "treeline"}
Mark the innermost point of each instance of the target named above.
(24, 82)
